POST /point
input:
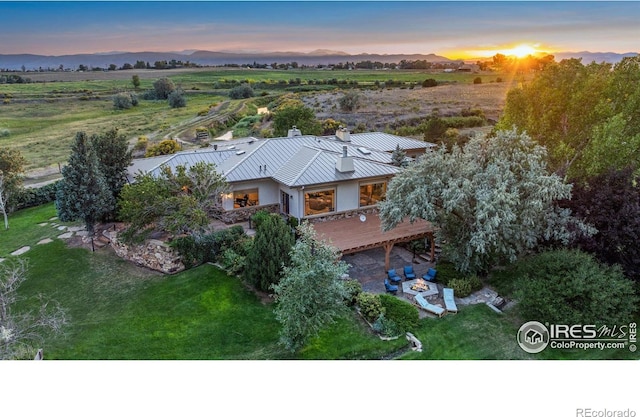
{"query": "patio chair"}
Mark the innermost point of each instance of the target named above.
(449, 302)
(393, 289)
(430, 275)
(393, 276)
(424, 304)
(409, 273)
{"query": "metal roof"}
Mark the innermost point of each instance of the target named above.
(296, 161)
(384, 142)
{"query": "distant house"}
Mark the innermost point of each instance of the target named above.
(469, 68)
(302, 176)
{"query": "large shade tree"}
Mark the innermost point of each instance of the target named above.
(611, 203)
(491, 200)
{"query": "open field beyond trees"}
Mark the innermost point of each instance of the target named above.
(41, 118)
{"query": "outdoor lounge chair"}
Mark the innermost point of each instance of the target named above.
(393, 289)
(424, 304)
(449, 302)
(430, 275)
(393, 276)
(409, 273)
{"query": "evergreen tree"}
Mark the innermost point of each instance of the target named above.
(83, 192)
(114, 156)
(270, 252)
(397, 157)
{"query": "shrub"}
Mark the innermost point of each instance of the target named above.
(572, 287)
(165, 147)
(429, 82)
(177, 99)
(32, 197)
(241, 91)
(447, 272)
(370, 305)
(4, 132)
(141, 144)
(354, 288)
(499, 80)
(477, 80)
(258, 218)
(198, 249)
(122, 101)
(403, 314)
(463, 287)
(150, 95)
(350, 101)
(232, 261)
(386, 327)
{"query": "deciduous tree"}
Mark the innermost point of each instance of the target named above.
(21, 330)
(311, 292)
(296, 115)
(11, 169)
(492, 200)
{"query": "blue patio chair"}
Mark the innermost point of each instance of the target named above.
(393, 276)
(430, 275)
(409, 273)
(393, 289)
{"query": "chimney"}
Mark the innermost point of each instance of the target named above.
(294, 131)
(344, 162)
(343, 134)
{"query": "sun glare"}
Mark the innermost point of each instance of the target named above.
(523, 50)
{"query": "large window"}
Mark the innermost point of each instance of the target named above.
(371, 194)
(244, 198)
(319, 202)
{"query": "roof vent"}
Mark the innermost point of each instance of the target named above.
(364, 151)
(240, 152)
(232, 147)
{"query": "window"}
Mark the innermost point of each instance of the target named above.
(371, 194)
(244, 198)
(319, 202)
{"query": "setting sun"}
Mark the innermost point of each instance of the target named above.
(521, 51)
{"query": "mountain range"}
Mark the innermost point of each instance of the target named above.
(200, 57)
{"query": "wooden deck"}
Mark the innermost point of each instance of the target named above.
(353, 235)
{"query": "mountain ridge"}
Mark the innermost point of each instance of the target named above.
(212, 58)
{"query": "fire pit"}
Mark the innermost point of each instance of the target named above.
(419, 286)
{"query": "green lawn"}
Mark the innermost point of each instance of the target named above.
(120, 311)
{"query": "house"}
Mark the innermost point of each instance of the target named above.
(303, 176)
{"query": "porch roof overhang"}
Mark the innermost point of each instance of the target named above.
(351, 235)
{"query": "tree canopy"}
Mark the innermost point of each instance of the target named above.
(296, 115)
(611, 203)
(311, 293)
(585, 115)
(114, 157)
(492, 200)
(11, 169)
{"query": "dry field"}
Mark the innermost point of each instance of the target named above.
(382, 107)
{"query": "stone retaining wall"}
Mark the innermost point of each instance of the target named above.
(243, 214)
(153, 254)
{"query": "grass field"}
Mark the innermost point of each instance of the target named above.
(120, 311)
(41, 118)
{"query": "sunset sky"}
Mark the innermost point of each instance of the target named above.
(450, 28)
